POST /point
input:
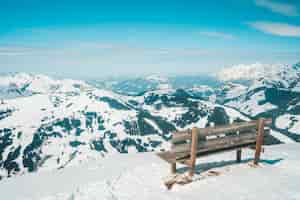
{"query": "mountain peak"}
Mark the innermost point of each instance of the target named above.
(156, 78)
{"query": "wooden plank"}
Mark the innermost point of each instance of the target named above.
(209, 149)
(228, 140)
(225, 148)
(194, 147)
(186, 147)
(268, 122)
(242, 126)
(181, 136)
(183, 155)
(226, 145)
(185, 158)
(235, 127)
(168, 156)
(215, 142)
(259, 140)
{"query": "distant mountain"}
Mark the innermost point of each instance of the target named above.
(141, 85)
(138, 86)
(192, 81)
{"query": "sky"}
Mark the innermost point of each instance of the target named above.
(134, 37)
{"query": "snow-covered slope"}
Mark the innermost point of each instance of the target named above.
(141, 177)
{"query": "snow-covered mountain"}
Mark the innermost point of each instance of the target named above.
(22, 84)
(51, 124)
(273, 94)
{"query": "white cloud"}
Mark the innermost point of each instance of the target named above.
(216, 34)
(280, 29)
(248, 71)
(281, 8)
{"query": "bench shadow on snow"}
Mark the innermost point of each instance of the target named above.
(203, 167)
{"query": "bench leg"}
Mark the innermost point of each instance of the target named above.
(173, 168)
(193, 151)
(192, 170)
(238, 155)
(259, 140)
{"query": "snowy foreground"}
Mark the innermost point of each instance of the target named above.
(141, 176)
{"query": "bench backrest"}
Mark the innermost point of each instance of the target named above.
(202, 141)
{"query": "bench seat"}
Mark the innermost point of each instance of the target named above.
(168, 156)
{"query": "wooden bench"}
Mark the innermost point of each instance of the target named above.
(190, 144)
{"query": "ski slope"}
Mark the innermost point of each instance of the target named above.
(140, 176)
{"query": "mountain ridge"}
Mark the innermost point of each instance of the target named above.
(52, 124)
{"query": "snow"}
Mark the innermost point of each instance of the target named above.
(200, 123)
(234, 90)
(37, 84)
(248, 71)
(169, 113)
(157, 78)
(234, 114)
(251, 106)
(296, 88)
(290, 122)
(140, 176)
(281, 137)
(201, 88)
(30, 113)
(153, 124)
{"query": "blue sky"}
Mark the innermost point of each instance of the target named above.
(105, 38)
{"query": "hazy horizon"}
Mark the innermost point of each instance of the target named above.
(112, 77)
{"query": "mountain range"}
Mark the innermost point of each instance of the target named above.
(48, 124)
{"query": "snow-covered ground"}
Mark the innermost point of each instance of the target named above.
(140, 176)
(290, 122)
